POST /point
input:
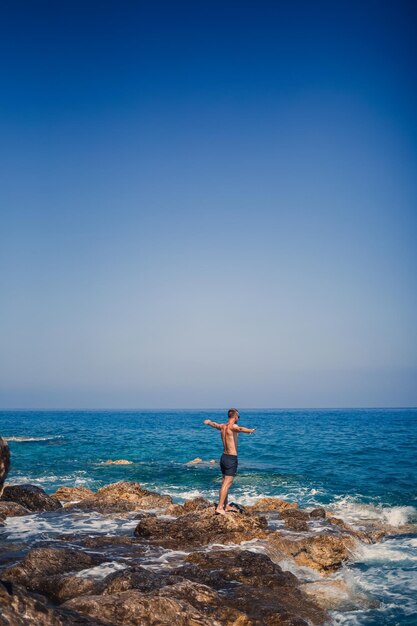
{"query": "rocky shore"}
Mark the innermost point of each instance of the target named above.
(176, 564)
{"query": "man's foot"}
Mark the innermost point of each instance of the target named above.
(220, 512)
(232, 509)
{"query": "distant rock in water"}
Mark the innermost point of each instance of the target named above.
(4, 462)
(198, 461)
(117, 462)
(31, 497)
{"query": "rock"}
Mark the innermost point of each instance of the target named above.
(117, 462)
(137, 578)
(41, 562)
(194, 461)
(198, 504)
(63, 587)
(70, 494)
(4, 462)
(131, 608)
(12, 509)
(200, 528)
(319, 513)
(253, 585)
(295, 519)
(31, 497)
(212, 462)
(20, 608)
(325, 552)
(271, 504)
(123, 496)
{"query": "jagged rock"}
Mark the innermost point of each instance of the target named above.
(20, 608)
(295, 519)
(31, 497)
(253, 585)
(131, 608)
(137, 578)
(123, 496)
(264, 505)
(43, 562)
(318, 513)
(117, 462)
(4, 462)
(62, 587)
(200, 528)
(70, 494)
(198, 504)
(12, 509)
(325, 552)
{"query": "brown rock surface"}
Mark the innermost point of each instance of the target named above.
(198, 504)
(41, 562)
(295, 519)
(200, 528)
(31, 497)
(12, 509)
(271, 504)
(123, 496)
(325, 552)
(69, 494)
(137, 578)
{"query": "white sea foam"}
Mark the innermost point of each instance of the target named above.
(22, 439)
(357, 513)
(53, 524)
(101, 571)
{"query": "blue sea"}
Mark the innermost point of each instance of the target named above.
(360, 463)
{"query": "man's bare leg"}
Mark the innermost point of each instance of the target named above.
(224, 490)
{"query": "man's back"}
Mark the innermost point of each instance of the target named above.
(229, 435)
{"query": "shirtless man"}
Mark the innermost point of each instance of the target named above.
(228, 462)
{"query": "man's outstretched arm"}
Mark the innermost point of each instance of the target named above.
(242, 429)
(212, 424)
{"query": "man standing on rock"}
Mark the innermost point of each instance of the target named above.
(228, 461)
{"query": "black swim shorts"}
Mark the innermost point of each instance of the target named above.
(228, 464)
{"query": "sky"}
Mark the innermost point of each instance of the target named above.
(208, 204)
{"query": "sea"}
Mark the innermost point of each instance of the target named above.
(359, 463)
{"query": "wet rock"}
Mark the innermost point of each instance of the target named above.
(20, 608)
(254, 586)
(31, 497)
(4, 462)
(131, 608)
(137, 578)
(264, 505)
(318, 513)
(117, 462)
(42, 562)
(295, 519)
(195, 461)
(60, 588)
(198, 504)
(123, 496)
(200, 528)
(70, 494)
(325, 552)
(12, 509)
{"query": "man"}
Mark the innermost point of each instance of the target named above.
(228, 462)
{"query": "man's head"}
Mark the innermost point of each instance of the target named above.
(233, 415)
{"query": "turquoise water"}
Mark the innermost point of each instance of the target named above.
(358, 462)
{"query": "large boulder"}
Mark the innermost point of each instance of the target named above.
(267, 505)
(189, 506)
(138, 578)
(12, 509)
(31, 497)
(4, 462)
(200, 528)
(122, 497)
(72, 494)
(295, 519)
(131, 608)
(324, 552)
(41, 563)
(21, 608)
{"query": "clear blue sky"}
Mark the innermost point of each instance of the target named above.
(207, 204)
